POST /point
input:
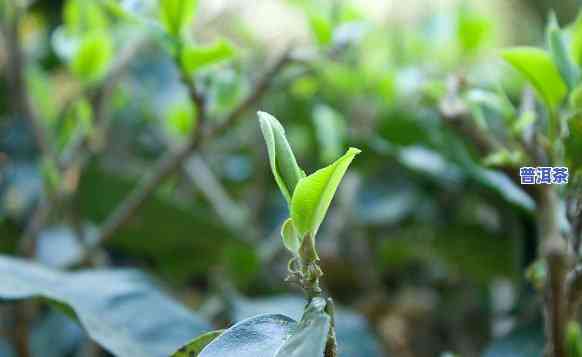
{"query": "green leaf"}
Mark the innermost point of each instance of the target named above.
(259, 336)
(560, 53)
(177, 15)
(576, 41)
(92, 58)
(575, 99)
(291, 239)
(322, 28)
(314, 194)
(193, 348)
(182, 119)
(196, 57)
(109, 305)
(310, 336)
(81, 16)
(537, 66)
(281, 158)
(573, 340)
(473, 29)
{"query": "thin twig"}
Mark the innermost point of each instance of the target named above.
(229, 211)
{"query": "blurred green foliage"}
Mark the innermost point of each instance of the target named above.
(421, 210)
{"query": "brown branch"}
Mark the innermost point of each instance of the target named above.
(173, 160)
(555, 252)
(18, 95)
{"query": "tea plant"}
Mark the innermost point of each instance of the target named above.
(545, 136)
(308, 199)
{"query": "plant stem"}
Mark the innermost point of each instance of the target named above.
(555, 253)
(310, 270)
(309, 280)
(331, 345)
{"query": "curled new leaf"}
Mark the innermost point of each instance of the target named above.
(281, 158)
(537, 66)
(314, 194)
(291, 240)
(177, 15)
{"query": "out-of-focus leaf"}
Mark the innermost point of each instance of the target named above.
(574, 339)
(193, 348)
(539, 69)
(195, 58)
(81, 16)
(314, 194)
(59, 247)
(92, 58)
(42, 90)
(181, 119)
(281, 158)
(177, 15)
(321, 27)
(473, 29)
(504, 186)
(109, 305)
(504, 157)
(388, 205)
(291, 239)
(525, 341)
(259, 336)
(430, 163)
(491, 100)
(310, 335)
(560, 54)
(330, 132)
(576, 98)
(576, 41)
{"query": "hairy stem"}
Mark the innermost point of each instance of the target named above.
(310, 270)
(331, 344)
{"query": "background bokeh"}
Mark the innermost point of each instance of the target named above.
(425, 247)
